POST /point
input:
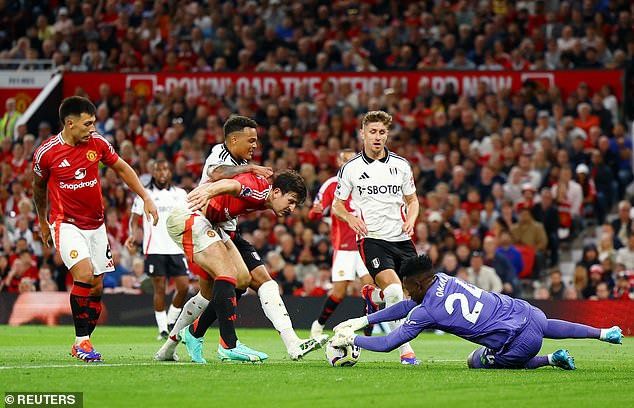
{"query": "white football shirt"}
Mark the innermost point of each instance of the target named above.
(377, 188)
(220, 156)
(156, 240)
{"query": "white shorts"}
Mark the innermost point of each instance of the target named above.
(192, 231)
(346, 265)
(74, 244)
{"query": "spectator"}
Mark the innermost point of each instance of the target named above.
(510, 252)
(625, 255)
(483, 276)
(309, 287)
(557, 287)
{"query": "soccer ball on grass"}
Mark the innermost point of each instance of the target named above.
(342, 356)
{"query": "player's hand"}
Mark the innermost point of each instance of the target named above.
(199, 197)
(408, 228)
(343, 338)
(45, 234)
(355, 324)
(317, 207)
(130, 244)
(150, 211)
(265, 172)
(358, 226)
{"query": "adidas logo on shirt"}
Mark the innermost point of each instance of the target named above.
(364, 175)
(64, 163)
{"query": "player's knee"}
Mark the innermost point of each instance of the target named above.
(393, 294)
(243, 281)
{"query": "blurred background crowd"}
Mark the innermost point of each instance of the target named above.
(525, 192)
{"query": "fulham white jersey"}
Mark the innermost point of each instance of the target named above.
(220, 156)
(377, 188)
(156, 240)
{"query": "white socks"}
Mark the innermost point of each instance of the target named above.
(192, 309)
(550, 359)
(276, 312)
(78, 340)
(161, 320)
(172, 314)
(393, 294)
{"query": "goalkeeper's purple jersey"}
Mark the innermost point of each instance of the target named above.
(456, 307)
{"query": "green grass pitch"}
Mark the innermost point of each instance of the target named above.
(36, 358)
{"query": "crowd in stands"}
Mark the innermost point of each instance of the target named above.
(506, 180)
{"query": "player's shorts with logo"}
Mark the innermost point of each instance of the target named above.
(248, 253)
(379, 255)
(166, 265)
(75, 244)
(346, 265)
(517, 352)
(192, 231)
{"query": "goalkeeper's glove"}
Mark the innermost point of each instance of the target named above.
(343, 337)
(356, 324)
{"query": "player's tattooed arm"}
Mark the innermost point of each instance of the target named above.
(199, 197)
(39, 196)
(227, 172)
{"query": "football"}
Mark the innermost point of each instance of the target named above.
(342, 356)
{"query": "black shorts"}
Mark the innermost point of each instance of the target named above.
(166, 265)
(379, 255)
(248, 253)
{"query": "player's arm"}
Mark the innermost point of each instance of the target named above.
(133, 227)
(200, 196)
(395, 312)
(411, 201)
(355, 223)
(228, 172)
(323, 200)
(40, 199)
(130, 178)
(419, 320)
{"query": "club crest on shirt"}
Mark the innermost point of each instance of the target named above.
(73, 254)
(376, 263)
(211, 234)
(91, 155)
(341, 274)
(246, 191)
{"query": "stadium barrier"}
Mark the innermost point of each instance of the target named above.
(53, 308)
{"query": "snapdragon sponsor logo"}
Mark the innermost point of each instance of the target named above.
(77, 186)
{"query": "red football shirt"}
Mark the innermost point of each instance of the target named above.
(74, 188)
(343, 238)
(252, 197)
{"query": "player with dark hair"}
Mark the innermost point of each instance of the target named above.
(163, 258)
(228, 160)
(212, 249)
(66, 166)
(510, 330)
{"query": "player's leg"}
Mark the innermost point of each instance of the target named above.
(382, 260)
(344, 265)
(192, 309)
(94, 306)
(269, 294)
(215, 259)
(74, 248)
(179, 275)
(158, 284)
(561, 329)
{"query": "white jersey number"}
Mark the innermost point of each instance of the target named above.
(470, 316)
